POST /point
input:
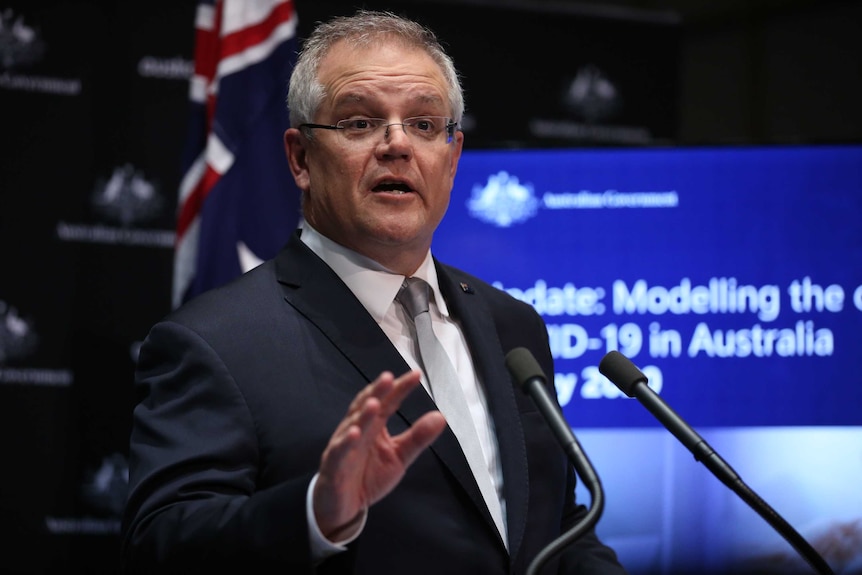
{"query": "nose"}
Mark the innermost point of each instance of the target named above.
(396, 142)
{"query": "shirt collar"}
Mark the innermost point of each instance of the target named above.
(374, 285)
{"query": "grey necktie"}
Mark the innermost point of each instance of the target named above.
(447, 392)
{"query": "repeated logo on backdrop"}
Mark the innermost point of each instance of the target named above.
(18, 337)
(126, 197)
(595, 103)
(122, 203)
(592, 95)
(19, 342)
(21, 47)
(103, 492)
(20, 44)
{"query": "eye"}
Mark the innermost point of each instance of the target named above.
(424, 124)
(357, 125)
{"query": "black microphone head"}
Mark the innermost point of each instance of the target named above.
(523, 366)
(621, 371)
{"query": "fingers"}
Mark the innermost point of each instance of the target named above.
(368, 412)
(390, 391)
(401, 388)
(384, 397)
(376, 389)
(362, 462)
(421, 434)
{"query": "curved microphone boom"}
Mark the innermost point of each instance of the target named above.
(529, 376)
(631, 381)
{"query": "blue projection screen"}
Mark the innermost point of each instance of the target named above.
(733, 278)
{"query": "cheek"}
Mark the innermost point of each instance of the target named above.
(345, 170)
(444, 177)
(334, 172)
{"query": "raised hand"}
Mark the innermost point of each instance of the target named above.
(362, 462)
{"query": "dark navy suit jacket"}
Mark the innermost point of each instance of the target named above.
(240, 390)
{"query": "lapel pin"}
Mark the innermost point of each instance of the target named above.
(466, 288)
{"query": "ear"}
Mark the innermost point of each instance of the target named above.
(295, 148)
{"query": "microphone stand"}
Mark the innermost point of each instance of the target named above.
(631, 381)
(527, 373)
(597, 505)
(718, 467)
(585, 472)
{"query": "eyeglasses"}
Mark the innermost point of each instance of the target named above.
(362, 130)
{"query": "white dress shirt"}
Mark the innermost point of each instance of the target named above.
(376, 287)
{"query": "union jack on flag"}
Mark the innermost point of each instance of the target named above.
(238, 203)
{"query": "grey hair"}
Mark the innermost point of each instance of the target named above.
(305, 93)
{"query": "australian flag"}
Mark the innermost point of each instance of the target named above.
(238, 203)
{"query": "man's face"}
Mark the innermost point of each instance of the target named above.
(382, 196)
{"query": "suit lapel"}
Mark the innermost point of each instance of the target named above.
(488, 356)
(310, 286)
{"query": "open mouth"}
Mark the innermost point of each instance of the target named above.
(393, 187)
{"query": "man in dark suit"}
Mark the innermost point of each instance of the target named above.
(272, 434)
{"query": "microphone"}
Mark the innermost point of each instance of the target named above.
(631, 381)
(527, 373)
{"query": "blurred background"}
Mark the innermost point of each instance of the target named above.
(98, 133)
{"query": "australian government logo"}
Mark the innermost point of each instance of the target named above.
(19, 341)
(123, 203)
(103, 493)
(503, 200)
(595, 103)
(22, 46)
